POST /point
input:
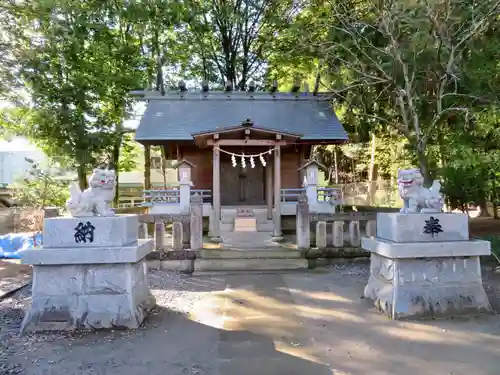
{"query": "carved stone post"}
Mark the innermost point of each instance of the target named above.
(177, 235)
(338, 233)
(354, 234)
(159, 235)
(321, 239)
(184, 196)
(143, 231)
(303, 223)
(196, 222)
(371, 228)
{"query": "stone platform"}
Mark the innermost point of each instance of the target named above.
(89, 287)
(436, 276)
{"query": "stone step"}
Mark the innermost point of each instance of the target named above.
(250, 254)
(266, 226)
(245, 224)
(241, 273)
(227, 219)
(260, 264)
(226, 227)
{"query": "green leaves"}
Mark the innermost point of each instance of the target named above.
(78, 61)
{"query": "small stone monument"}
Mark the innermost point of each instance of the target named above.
(422, 262)
(91, 271)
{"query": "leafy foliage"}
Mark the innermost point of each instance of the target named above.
(43, 188)
(420, 77)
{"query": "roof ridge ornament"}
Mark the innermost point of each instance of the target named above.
(247, 123)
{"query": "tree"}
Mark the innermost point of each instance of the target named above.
(399, 64)
(42, 188)
(78, 63)
(231, 40)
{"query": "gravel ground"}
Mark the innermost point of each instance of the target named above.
(180, 336)
(353, 338)
(167, 337)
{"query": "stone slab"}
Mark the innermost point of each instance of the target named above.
(249, 264)
(398, 250)
(245, 224)
(402, 227)
(69, 297)
(180, 265)
(431, 287)
(96, 231)
(89, 255)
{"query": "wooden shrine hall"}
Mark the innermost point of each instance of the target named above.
(246, 148)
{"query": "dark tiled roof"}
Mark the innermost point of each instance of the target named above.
(176, 118)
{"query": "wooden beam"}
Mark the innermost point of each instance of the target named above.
(216, 194)
(269, 189)
(147, 167)
(243, 142)
(277, 194)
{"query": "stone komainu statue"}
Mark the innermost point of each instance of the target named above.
(93, 201)
(415, 196)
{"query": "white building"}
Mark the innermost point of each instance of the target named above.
(13, 164)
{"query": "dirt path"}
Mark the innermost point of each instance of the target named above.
(297, 323)
(13, 275)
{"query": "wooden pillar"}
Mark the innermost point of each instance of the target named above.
(277, 193)
(147, 167)
(269, 190)
(216, 194)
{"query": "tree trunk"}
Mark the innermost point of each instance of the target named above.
(483, 201)
(483, 206)
(81, 171)
(494, 199)
(372, 173)
(116, 166)
(424, 167)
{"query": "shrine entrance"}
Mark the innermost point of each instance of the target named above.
(235, 151)
(242, 185)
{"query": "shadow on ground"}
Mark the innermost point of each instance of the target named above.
(168, 343)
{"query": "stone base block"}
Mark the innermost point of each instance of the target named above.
(420, 227)
(394, 250)
(88, 296)
(97, 231)
(430, 287)
(89, 255)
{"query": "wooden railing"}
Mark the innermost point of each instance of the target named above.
(206, 194)
(291, 195)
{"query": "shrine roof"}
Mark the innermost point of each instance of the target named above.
(176, 117)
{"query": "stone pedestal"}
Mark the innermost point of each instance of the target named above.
(90, 286)
(425, 266)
